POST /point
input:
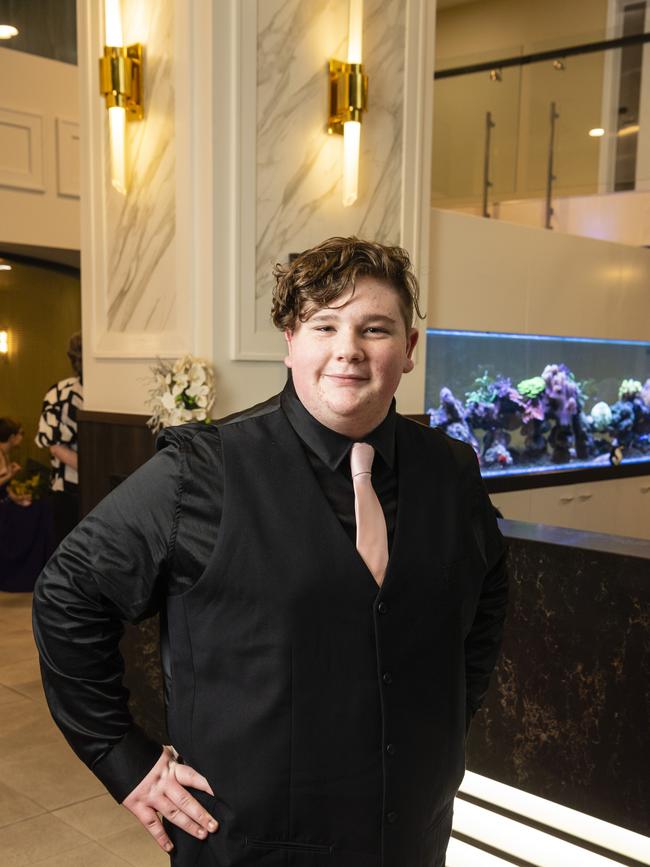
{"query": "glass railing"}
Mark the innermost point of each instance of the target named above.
(554, 121)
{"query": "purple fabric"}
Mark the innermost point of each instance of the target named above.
(26, 543)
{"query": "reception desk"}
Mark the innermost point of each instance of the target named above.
(566, 716)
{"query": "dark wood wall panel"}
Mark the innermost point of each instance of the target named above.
(111, 447)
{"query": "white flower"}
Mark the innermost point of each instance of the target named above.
(197, 372)
(168, 401)
(200, 414)
(202, 400)
(196, 389)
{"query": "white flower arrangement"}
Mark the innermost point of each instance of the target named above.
(182, 391)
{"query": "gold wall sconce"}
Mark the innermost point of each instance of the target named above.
(120, 83)
(348, 101)
(4, 342)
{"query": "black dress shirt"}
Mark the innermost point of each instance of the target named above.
(152, 537)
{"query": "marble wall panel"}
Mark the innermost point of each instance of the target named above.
(141, 293)
(298, 165)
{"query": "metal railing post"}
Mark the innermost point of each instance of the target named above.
(550, 177)
(487, 183)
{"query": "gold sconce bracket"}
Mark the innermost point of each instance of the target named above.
(120, 79)
(348, 94)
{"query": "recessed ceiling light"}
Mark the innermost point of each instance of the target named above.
(7, 31)
(597, 132)
(4, 266)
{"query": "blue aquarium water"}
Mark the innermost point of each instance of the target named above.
(529, 403)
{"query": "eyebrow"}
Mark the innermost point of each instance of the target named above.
(322, 316)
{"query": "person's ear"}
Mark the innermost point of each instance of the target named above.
(288, 336)
(411, 340)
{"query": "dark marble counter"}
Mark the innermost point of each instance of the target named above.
(566, 716)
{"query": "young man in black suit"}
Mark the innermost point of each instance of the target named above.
(327, 639)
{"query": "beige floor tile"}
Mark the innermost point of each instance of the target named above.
(20, 672)
(16, 645)
(36, 839)
(37, 732)
(9, 695)
(32, 689)
(51, 775)
(15, 807)
(137, 847)
(98, 817)
(17, 616)
(90, 855)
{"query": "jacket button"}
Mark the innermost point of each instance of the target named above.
(390, 749)
(392, 817)
(382, 608)
(387, 677)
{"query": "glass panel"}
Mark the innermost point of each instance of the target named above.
(533, 403)
(575, 86)
(459, 131)
(600, 136)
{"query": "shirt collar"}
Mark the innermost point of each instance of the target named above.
(332, 447)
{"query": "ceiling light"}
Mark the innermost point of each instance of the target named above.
(7, 31)
(596, 132)
(4, 266)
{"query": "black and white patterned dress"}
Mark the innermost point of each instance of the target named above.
(57, 426)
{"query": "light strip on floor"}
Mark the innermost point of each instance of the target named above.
(521, 841)
(604, 834)
(461, 854)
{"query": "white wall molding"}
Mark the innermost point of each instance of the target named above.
(21, 150)
(67, 158)
(416, 174)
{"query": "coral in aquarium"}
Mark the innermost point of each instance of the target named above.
(629, 389)
(601, 416)
(543, 418)
(452, 418)
(645, 392)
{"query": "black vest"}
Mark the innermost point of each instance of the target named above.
(327, 714)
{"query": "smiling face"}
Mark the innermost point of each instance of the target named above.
(347, 360)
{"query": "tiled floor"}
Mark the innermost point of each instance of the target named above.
(53, 812)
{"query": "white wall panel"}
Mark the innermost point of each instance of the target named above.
(21, 150)
(33, 209)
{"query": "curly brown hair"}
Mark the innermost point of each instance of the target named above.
(322, 274)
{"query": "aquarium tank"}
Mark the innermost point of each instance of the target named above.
(529, 403)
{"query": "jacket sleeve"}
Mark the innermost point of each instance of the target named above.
(483, 641)
(110, 569)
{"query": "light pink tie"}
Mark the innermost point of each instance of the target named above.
(372, 537)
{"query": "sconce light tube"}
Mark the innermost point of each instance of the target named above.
(351, 139)
(4, 342)
(120, 77)
(352, 128)
(355, 31)
(113, 23)
(117, 130)
(348, 101)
